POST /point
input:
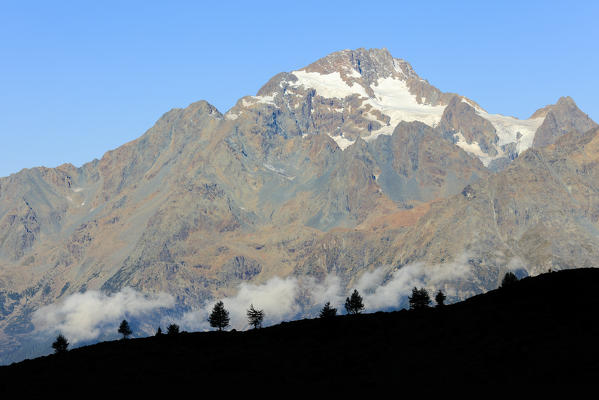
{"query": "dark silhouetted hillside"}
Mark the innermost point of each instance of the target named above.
(542, 331)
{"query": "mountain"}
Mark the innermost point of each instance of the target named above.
(350, 165)
(501, 338)
(560, 119)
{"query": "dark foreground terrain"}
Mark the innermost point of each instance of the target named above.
(542, 331)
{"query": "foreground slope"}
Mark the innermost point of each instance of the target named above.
(540, 332)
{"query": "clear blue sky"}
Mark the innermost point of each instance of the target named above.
(80, 78)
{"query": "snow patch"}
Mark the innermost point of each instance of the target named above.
(327, 85)
(393, 98)
(342, 141)
(354, 74)
(279, 171)
(397, 67)
(266, 99)
(508, 128)
(472, 104)
(231, 116)
(274, 169)
(474, 148)
(251, 100)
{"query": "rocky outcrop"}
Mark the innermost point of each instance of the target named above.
(561, 118)
(460, 117)
(20, 228)
(417, 165)
(540, 210)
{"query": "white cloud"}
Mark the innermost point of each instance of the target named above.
(399, 286)
(85, 316)
(292, 297)
(277, 297)
(280, 298)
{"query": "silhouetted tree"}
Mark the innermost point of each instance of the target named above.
(440, 299)
(255, 317)
(60, 344)
(172, 329)
(509, 279)
(124, 329)
(354, 304)
(159, 332)
(419, 299)
(328, 311)
(219, 318)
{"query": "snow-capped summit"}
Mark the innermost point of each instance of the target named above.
(367, 92)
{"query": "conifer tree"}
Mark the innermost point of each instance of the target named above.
(440, 299)
(328, 311)
(124, 329)
(159, 332)
(509, 279)
(354, 304)
(219, 318)
(419, 299)
(255, 317)
(60, 344)
(172, 329)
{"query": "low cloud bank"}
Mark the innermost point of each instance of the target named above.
(280, 299)
(292, 297)
(395, 291)
(85, 316)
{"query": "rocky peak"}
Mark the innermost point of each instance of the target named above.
(460, 118)
(563, 102)
(560, 118)
(566, 101)
(370, 64)
(202, 108)
(347, 95)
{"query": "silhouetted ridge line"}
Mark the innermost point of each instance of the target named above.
(539, 330)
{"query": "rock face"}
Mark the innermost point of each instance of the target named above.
(460, 118)
(541, 209)
(561, 118)
(351, 163)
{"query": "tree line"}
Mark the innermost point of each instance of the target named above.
(354, 304)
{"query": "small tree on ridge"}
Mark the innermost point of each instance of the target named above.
(60, 344)
(328, 311)
(419, 299)
(509, 279)
(440, 299)
(219, 318)
(354, 304)
(255, 317)
(172, 329)
(124, 329)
